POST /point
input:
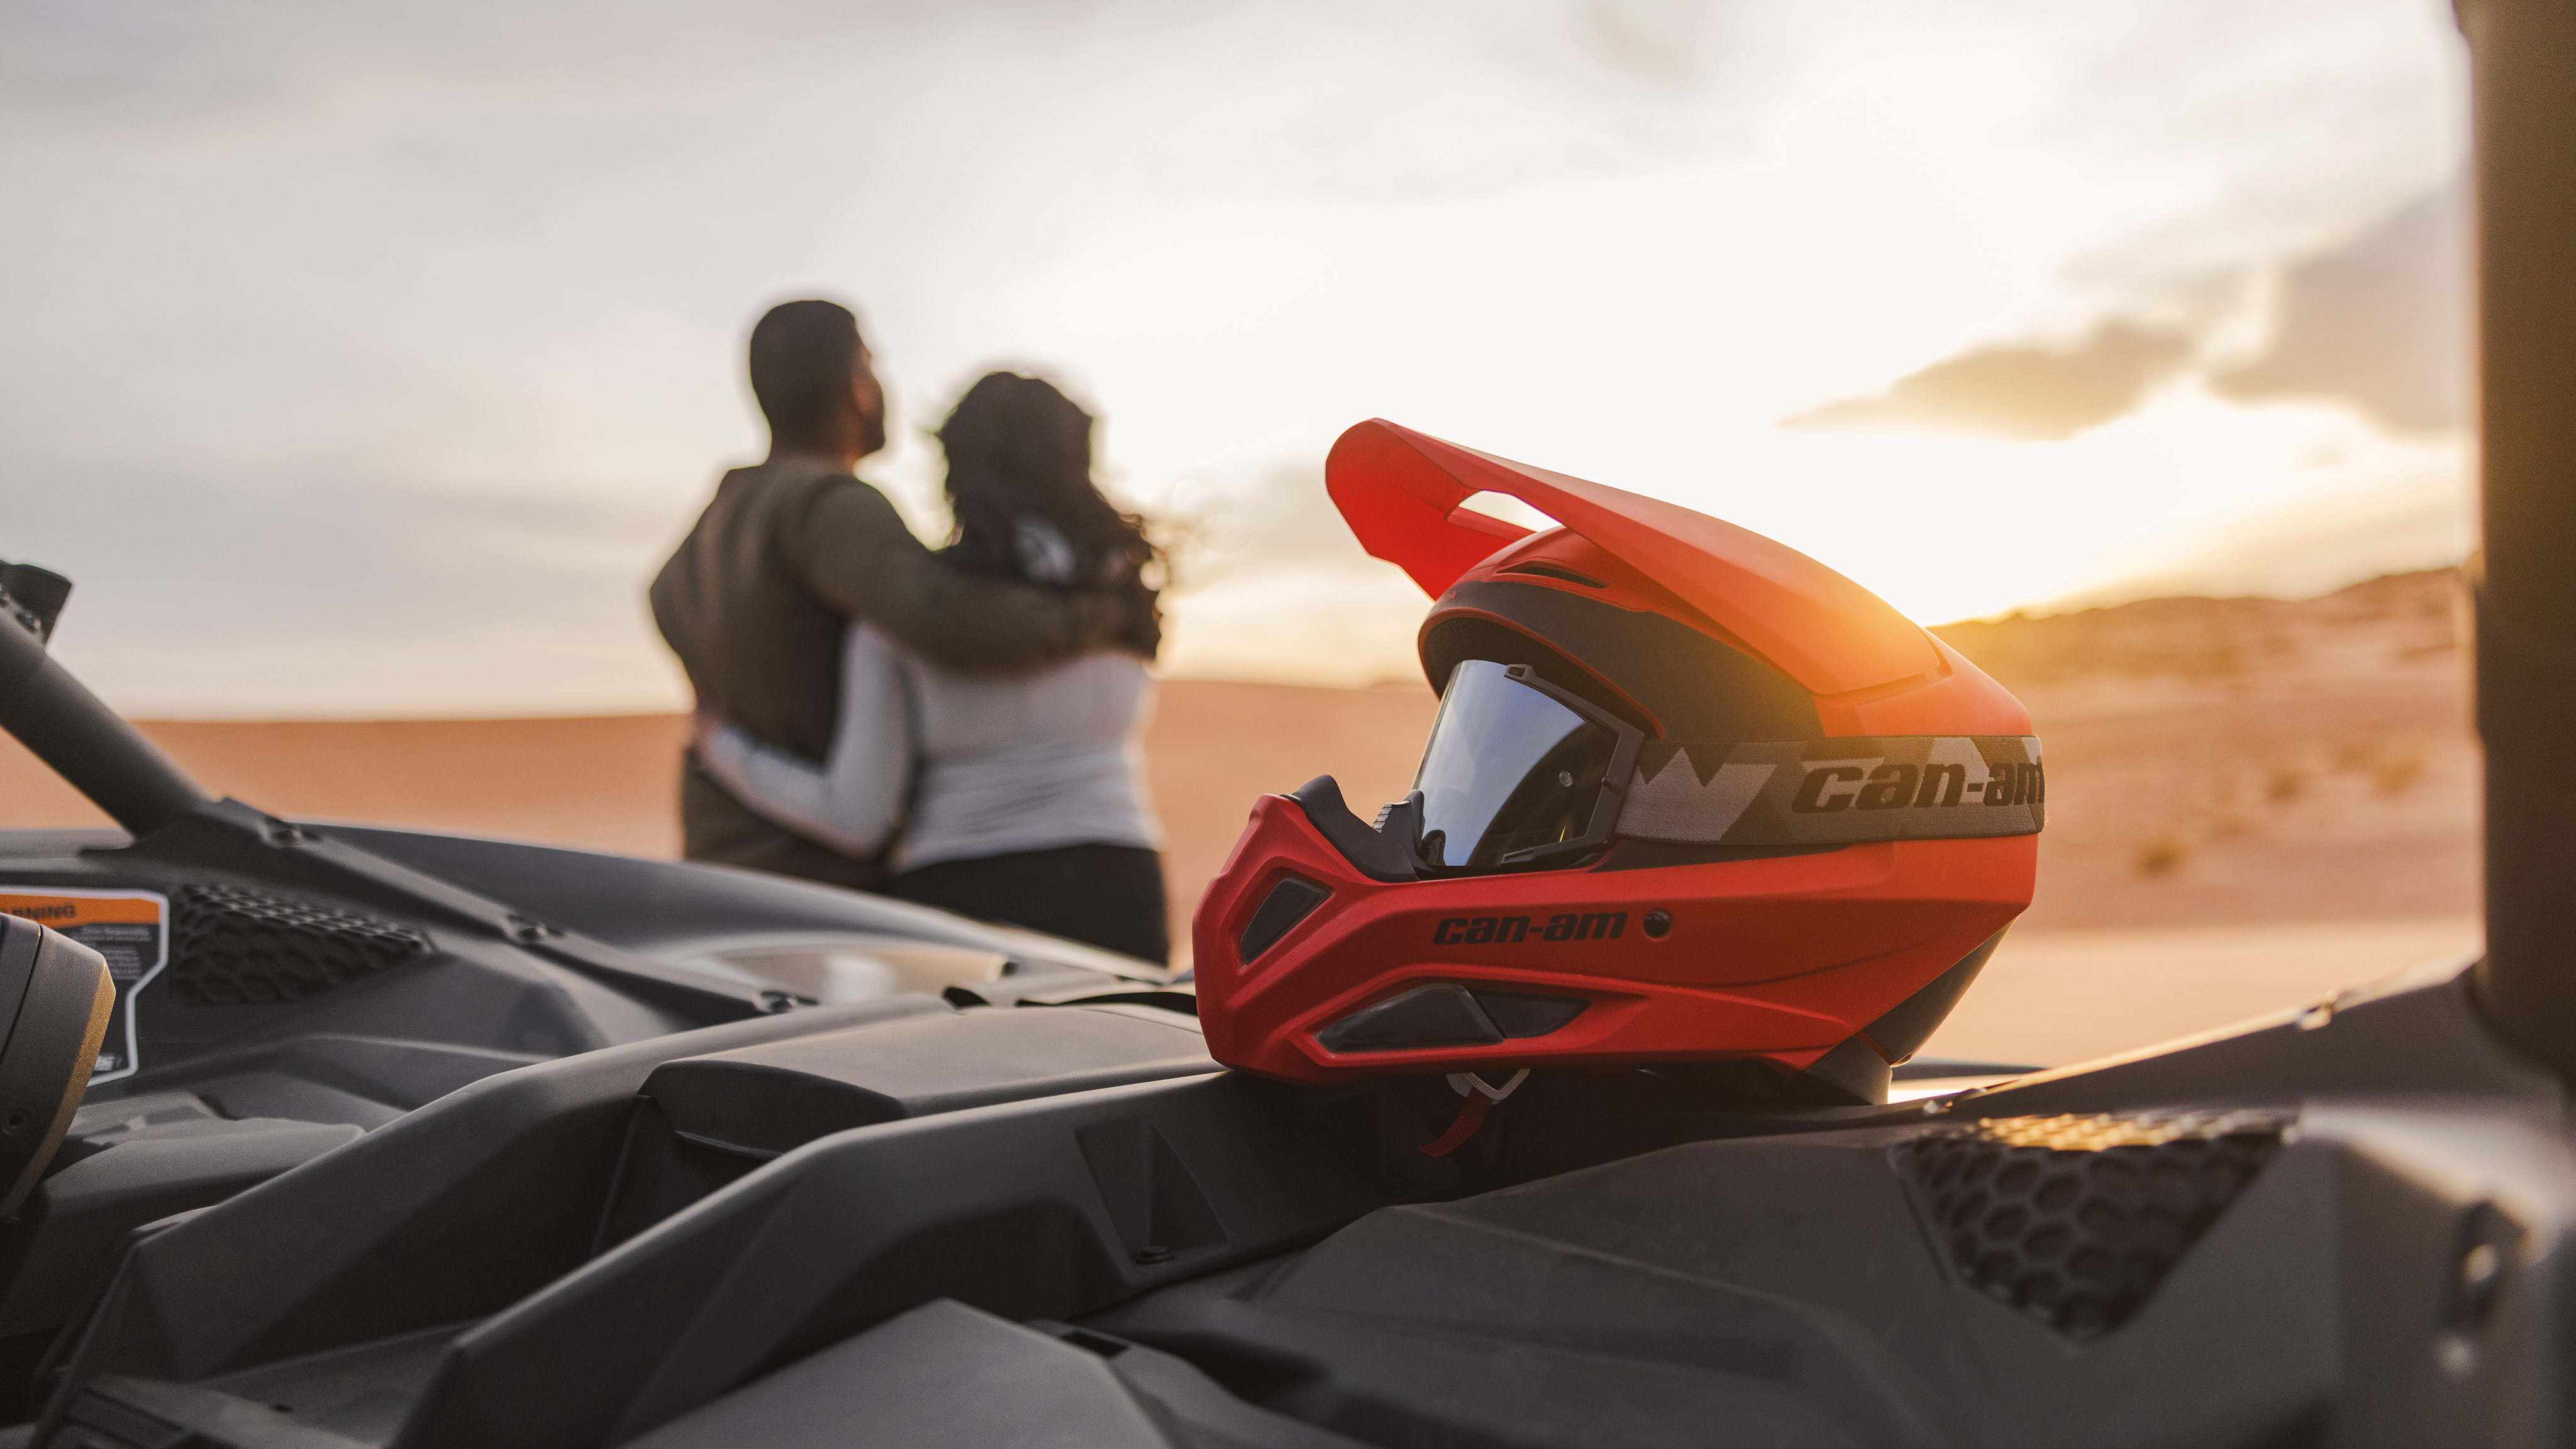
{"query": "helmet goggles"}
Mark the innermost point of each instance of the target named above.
(1520, 774)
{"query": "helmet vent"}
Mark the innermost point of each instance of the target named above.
(1518, 1014)
(1445, 1014)
(1292, 900)
(1554, 571)
(2076, 1220)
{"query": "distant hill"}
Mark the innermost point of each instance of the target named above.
(2237, 760)
(2397, 617)
(2210, 761)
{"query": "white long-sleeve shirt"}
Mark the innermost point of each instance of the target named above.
(985, 766)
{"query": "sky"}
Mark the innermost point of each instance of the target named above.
(367, 359)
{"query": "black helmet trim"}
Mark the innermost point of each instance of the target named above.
(1837, 791)
(1665, 675)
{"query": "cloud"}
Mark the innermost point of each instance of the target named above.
(2379, 323)
(2040, 393)
(2382, 323)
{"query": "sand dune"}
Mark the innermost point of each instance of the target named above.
(604, 782)
(2251, 802)
(2250, 760)
(609, 782)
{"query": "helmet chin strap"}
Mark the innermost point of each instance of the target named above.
(1481, 1098)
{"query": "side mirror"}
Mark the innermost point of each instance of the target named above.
(54, 1000)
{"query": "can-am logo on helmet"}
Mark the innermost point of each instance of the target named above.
(1511, 930)
(1854, 785)
(1843, 791)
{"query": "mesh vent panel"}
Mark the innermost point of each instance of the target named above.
(233, 947)
(2076, 1220)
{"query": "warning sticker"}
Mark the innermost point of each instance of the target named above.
(130, 928)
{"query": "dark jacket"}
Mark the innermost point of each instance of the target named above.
(756, 600)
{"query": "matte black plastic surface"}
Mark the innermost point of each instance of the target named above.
(2523, 55)
(1375, 853)
(1903, 1029)
(1292, 900)
(1439, 1014)
(946, 1376)
(62, 1243)
(703, 1122)
(122, 1413)
(89, 745)
(2394, 1273)
(38, 594)
(449, 1213)
(1014, 1208)
(230, 836)
(660, 908)
(1688, 685)
(1526, 1013)
(343, 976)
(1786, 1290)
(773, 1098)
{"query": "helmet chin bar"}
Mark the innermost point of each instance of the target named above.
(1389, 850)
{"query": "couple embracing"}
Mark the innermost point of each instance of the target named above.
(958, 728)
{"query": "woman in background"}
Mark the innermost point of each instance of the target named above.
(1019, 799)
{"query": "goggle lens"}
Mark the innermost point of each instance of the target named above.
(1508, 768)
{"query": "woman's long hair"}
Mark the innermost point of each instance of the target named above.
(1020, 487)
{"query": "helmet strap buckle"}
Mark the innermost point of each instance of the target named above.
(1465, 1083)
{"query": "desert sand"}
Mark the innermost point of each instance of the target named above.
(2252, 803)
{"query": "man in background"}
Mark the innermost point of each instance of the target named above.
(757, 598)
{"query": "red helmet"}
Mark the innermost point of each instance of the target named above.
(1691, 795)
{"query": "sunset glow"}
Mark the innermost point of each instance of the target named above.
(418, 354)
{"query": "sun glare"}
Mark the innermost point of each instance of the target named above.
(1742, 262)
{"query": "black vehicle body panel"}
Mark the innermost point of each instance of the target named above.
(521, 954)
(1198, 1257)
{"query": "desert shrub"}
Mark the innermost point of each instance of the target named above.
(2163, 855)
(2395, 774)
(2287, 784)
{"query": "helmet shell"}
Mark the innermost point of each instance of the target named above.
(1828, 963)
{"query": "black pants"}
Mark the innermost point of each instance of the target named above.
(1100, 895)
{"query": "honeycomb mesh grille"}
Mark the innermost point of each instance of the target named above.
(236, 947)
(2076, 1220)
